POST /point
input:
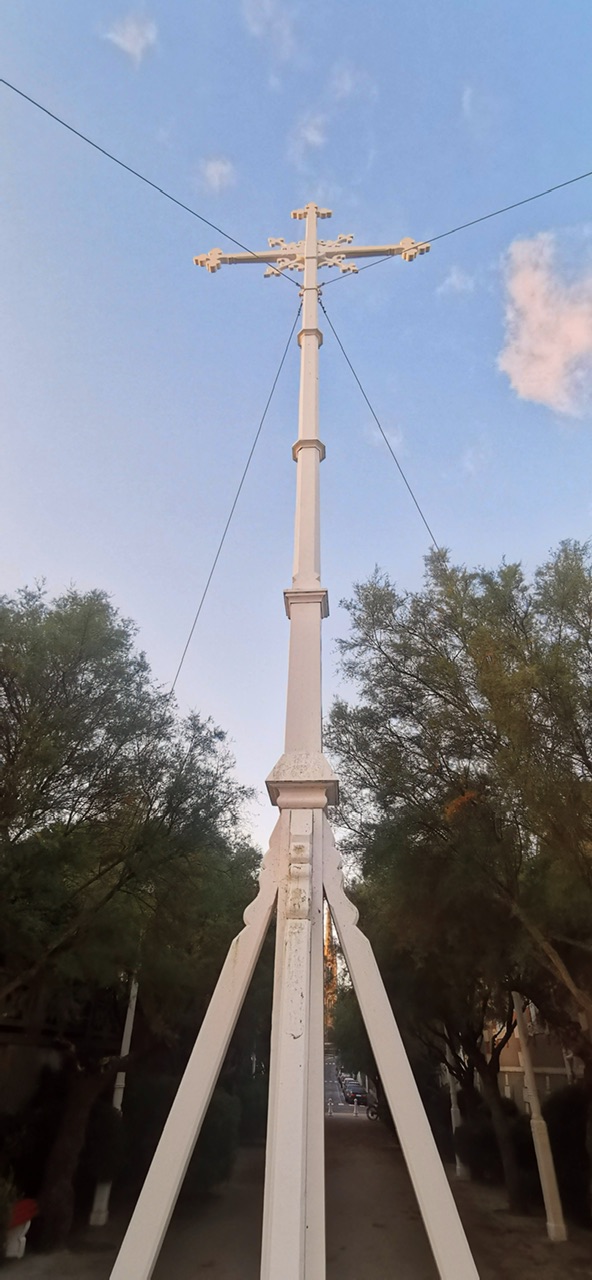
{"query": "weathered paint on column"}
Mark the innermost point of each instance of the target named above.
(315, 1156)
(283, 1250)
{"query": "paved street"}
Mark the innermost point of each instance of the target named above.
(333, 1094)
(374, 1228)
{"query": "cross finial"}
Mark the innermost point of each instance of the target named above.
(302, 213)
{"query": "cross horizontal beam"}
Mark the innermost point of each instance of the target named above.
(333, 253)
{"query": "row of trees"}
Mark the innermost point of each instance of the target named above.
(466, 761)
(121, 852)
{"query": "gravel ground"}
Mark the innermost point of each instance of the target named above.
(374, 1228)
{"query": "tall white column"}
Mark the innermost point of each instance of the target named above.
(455, 1118)
(302, 859)
(306, 602)
(99, 1215)
(556, 1228)
(294, 1210)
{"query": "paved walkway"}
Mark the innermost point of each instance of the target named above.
(374, 1229)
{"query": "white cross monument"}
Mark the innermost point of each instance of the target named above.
(300, 869)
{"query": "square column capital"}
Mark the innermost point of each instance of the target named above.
(302, 780)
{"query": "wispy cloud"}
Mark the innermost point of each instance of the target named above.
(394, 436)
(457, 281)
(272, 22)
(134, 35)
(548, 349)
(475, 458)
(346, 81)
(468, 101)
(310, 134)
(480, 111)
(345, 87)
(217, 174)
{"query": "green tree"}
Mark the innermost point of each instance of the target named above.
(473, 715)
(467, 758)
(446, 956)
(120, 849)
(102, 789)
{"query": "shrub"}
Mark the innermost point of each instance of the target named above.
(27, 1137)
(7, 1199)
(476, 1146)
(146, 1105)
(253, 1094)
(216, 1148)
(437, 1106)
(566, 1113)
(104, 1147)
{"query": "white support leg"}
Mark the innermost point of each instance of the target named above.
(438, 1209)
(142, 1242)
(284, 1210)
(315, 1256)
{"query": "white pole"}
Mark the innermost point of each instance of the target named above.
(100, 1211)
(556, 1229)
(315, 1159)
(293, 1210)
(456, 1120)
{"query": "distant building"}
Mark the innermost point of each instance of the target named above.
(554, 1066)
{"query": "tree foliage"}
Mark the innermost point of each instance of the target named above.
(121, 850)
(468, 754)
(113, 812)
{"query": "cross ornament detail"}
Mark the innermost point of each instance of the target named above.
(291, 255)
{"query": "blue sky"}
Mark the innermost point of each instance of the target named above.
(132, 383)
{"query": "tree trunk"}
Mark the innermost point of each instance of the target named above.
(588, 1087)
(57, 1194)
(501, 1128)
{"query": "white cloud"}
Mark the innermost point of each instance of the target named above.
(310, 134)
(467, 101)
(346, 82)
(393, 434)
(217, 174)
(164, 135)
(457, 281)
(272, 22)
(342, 83)
(475, 458)
(548, 349)
(482, 113)
(134, 35)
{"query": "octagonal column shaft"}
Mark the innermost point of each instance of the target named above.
(306, 601)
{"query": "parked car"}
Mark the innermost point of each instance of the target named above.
(355, 1093)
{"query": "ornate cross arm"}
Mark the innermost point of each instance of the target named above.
(285, 255)
(215, 259)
